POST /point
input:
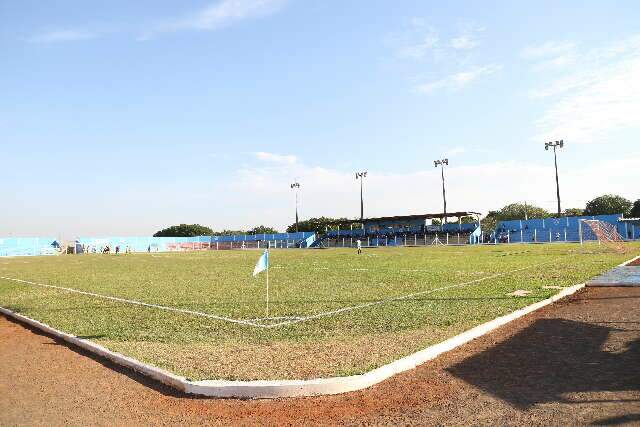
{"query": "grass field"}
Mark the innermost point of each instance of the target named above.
(390, 302)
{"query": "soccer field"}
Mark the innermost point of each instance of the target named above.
(332, 312)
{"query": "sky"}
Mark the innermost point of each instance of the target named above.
(122, 118)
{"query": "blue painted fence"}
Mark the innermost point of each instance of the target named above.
(142, 244)
(168, 244)
(559, 229)
(28, 246)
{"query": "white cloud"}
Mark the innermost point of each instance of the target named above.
(550, 55)
(220, 14)
(261, 194)
(602, 95)
(65, 35)
(420, 49)
(287, 159)
(456, 151)
(464, 42)
(481, 187)
(459, 80)
(553, 48)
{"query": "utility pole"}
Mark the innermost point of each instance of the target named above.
(442, 163)
(361, 176)
(296, 187)
(556, 144)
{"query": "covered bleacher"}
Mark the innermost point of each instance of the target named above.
(402, 230)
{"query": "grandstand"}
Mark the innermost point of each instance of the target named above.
(405, 230)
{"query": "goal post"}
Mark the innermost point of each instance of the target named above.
(604, 232)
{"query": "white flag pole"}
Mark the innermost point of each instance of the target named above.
(267, 284)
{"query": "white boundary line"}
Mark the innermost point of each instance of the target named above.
(134, 302)
(401, 298)
(296, 388)
(290, 319)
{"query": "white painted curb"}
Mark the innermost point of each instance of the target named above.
(296, 388)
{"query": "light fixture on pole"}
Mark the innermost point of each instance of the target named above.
(556, 144)
(296, 186)
(361, 176)
(442, 164)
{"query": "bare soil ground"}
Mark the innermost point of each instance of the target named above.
(576, 362)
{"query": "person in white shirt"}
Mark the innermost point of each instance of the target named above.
(359, 246)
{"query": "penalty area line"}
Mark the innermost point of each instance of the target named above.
(400, 298)
(140, 303)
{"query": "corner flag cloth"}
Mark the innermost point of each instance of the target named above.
(262, 264)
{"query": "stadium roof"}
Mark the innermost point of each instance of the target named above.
(408, 217)
(635, 220)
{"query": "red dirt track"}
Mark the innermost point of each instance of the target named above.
(575, 362)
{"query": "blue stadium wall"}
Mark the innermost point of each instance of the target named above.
(559, 229)
(263, 237)
(169, 244)
(143, 244)
(28, 246)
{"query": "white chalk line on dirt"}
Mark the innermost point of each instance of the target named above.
(290, 319)
(134, 302)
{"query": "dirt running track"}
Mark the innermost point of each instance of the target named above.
(576, 362)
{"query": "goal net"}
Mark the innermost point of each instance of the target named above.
(604, 232)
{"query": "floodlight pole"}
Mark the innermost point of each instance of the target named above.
(361, 176)
(442, 163)
(556, 144)
(296, 186)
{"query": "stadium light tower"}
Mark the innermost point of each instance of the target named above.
(556, 144)
(296, 187)
(361, 176)
(442, 164)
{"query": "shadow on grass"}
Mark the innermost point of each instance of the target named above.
(553, 357)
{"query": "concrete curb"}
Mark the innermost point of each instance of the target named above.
(624, 271)
(295, 388)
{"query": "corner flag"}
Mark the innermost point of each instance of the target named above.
(262, 264)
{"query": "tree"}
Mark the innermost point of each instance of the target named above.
(468, 220)
(228, 232)
(635, 210)
(511, 212)
(573, 212)
(608, 204)
(319, 225)
(490, 221)
(185, 230)
(261, 229)
(521, 211)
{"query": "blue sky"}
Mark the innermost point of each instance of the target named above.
(125, 117)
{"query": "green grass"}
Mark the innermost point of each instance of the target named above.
(303, 283)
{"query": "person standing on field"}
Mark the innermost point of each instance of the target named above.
(359, 246)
